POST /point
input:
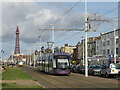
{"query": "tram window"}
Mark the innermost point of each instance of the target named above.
(62, 63)
(65, 63)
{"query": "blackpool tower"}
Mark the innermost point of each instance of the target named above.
(17, 43)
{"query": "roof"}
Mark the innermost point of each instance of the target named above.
(61, 53)
(110, 32)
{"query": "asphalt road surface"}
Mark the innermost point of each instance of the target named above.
(74, 80)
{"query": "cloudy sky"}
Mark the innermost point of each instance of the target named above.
(32, 16)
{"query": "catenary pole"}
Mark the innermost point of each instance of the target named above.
(86, 30)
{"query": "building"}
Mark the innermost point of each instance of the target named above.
(119, 41)
(80, 51)
(67, 49)
(91, 49)
(102, 45)
(75, 52)
(107, 41)
(98, 45)
(91, 46)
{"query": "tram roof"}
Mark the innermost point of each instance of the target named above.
(61, 53)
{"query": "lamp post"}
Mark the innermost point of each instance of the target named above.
(114, 46)
(34, 54)
(30, 57)
(83, 50)
(40, 44)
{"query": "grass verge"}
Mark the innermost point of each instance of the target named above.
(15, 73)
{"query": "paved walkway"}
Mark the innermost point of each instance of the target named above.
(22, 82)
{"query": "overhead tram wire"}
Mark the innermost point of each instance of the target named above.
(68, 37)
(77, 4)
(68, 30)
(108, 19)
(108, 12)
(97, 24)
(78, 33)
(64, 14)
(102, 16)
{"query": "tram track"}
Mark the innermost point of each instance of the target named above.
(64, 81)
(72, 81)
(41, 78)
(54, 82)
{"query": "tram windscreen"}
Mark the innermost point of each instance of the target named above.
(63, 60)
(63, 63)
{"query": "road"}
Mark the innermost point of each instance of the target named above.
(72, 81)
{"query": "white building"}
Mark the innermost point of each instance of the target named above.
(119, 41)
(107, 43)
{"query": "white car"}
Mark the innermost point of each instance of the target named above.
(108, 70)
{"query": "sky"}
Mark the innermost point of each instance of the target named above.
(32, 16)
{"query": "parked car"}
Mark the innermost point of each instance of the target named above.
(73, 68)
(81, 69)
(76, 68)
(119, 75)
(94, 69)
(108, 70)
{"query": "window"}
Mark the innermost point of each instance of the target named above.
(117, 40)
(103, 43)
(117, 51)
(108, 42)
(97, 47)
(103, 51)
(108, 51)
(112, 51)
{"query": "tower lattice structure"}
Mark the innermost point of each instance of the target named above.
(17, 44)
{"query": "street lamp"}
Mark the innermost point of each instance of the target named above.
(114, 46)
(34, 53)
(30, 57)
(40, 44)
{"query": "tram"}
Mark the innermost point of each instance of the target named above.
(56, 63)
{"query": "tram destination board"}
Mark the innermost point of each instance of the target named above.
(62, 57)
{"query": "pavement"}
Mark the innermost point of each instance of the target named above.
(22, 82)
